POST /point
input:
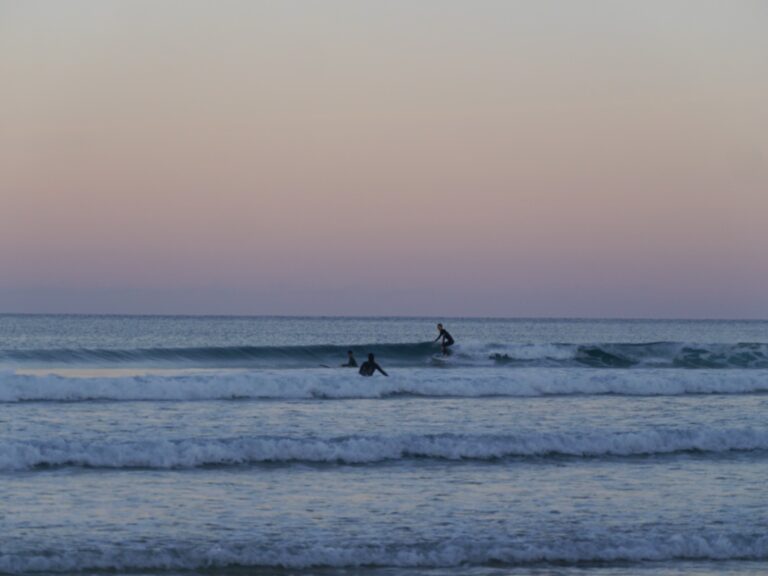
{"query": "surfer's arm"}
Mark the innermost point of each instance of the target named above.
(380, 370)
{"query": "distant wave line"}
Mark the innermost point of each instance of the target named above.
(595, 355)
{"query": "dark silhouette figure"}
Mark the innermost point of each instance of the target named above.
(447, 339)
(370, 366)
(351, 362)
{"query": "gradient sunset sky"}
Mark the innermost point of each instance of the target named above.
(593, 158)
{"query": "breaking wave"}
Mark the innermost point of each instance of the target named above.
(597, 355)
(340, 384)
(195, 453)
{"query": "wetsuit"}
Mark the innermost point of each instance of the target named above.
(369, 367)
(447, 338)
(352, 363)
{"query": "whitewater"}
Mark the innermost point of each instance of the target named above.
(238, 445)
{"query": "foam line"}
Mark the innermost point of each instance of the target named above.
(192, 453)
(345, 383)
(466, 551)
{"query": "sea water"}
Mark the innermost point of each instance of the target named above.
(202, 445)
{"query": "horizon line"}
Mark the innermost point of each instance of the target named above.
(387, 317)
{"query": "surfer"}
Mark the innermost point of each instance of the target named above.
(370, 366)
(447, 339)
(351, 362)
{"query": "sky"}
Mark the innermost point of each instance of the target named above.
(542, 158)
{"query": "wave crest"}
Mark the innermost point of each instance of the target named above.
(341, 384)
(595, 355)
(195, 453)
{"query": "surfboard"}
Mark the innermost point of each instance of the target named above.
(439, 359)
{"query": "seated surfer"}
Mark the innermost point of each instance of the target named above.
(447, 339)
(351, 362)
(370, 366)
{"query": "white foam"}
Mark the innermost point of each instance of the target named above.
(534, 351)
(460, 551)
(324, 383)
(165, 454)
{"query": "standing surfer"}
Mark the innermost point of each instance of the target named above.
(447, 339)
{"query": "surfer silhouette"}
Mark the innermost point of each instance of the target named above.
(447, 339)
(370, 366)
(351, 362)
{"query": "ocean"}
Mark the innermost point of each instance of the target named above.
(238, 445)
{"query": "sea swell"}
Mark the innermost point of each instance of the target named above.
(325, 384)
(224, 357)
(595, 355)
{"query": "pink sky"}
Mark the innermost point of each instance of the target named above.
(543, 158)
